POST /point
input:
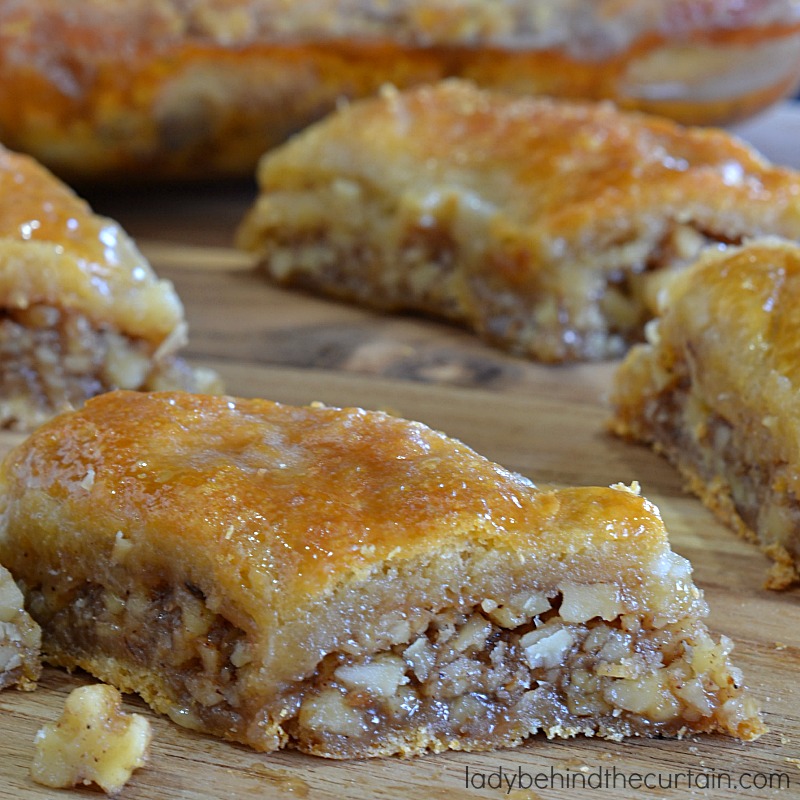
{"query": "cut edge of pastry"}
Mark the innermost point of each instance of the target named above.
(654, 402)
(578, 659)
(20, 638)
(592, 678)
(81, 309)
(625, 281)
(715, 492)
(440, 250)
(54, 359)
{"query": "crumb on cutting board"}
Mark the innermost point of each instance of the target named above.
(94, 741)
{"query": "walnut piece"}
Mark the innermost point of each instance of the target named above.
(94, 741)
(20, 638)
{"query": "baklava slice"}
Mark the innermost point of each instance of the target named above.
(545, 226)
(20, 638)
(352, 584)
(716, 391)
(81, 311)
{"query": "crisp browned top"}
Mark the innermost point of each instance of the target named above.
(54, 250)
(735, 316)
(312, 528)
(569, 179)
(294, 499)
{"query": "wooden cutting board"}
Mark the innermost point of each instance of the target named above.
(546, 422)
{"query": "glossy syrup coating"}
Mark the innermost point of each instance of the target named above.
(732, 322)
(715, 390)
(55, 251)
(293, 520)
(560, 179)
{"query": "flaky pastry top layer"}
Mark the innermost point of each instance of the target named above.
(561, 180)
(55, 251)
(734, 320)
(307, 526)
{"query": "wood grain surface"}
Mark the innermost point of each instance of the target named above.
(546, 422)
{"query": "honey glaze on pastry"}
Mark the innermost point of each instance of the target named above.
(352, 584)
(716, 391)
(81, 310)
(547, 227)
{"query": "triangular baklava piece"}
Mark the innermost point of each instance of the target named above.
(352, 584)
(548, 227)
(81, 311)
(716, 391)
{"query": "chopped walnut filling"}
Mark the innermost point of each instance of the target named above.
(51, 359)
(443, 261)
(733, 468)
(94, 741)
(170, 630)
(490, 682)
(486, 676)
(20, 638)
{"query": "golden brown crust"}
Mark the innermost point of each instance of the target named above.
(716, 391)
(261, 466)
(81, 310)
(546, 226)
(203, 87)
(245, 565)
(57, 252)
